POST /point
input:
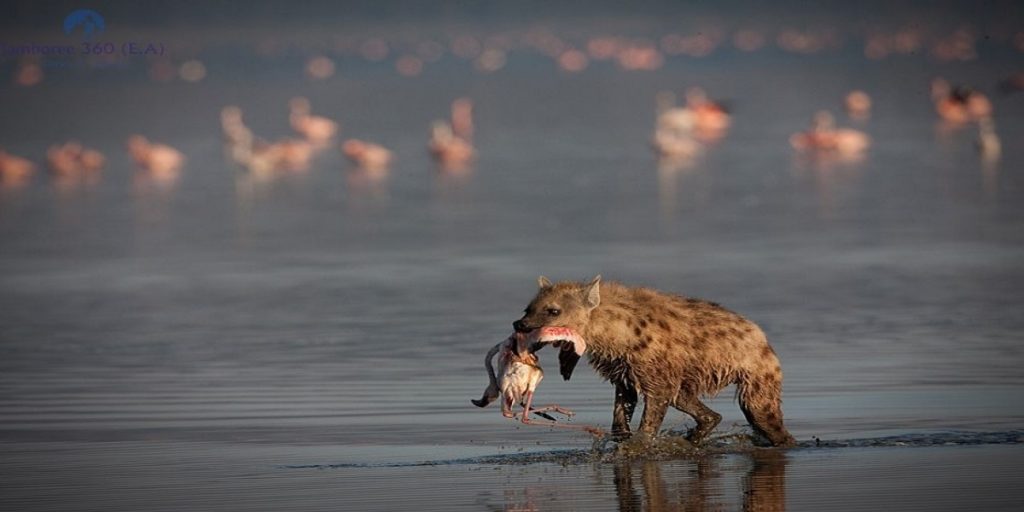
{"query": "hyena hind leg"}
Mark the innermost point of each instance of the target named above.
(706, 418)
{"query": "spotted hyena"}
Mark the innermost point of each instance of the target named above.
(671, 349)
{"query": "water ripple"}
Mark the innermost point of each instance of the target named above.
(727, 444)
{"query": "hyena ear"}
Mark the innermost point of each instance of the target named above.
(592, 293)
(543, 282)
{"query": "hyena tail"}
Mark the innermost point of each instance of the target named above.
(760, 398)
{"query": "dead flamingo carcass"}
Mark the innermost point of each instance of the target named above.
(519, 373)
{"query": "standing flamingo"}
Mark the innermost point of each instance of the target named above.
(15, 170)
(154, 157)
(367, 155)
(451, 142)
(315, 129)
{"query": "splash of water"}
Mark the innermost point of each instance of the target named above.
(675, 446)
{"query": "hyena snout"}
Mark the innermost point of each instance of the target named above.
(522, 326)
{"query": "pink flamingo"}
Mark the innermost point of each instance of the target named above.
(447, 148)
(15, 170)
(462, 118)
(711, 119)
(73, 158)
(451, 142)
(824, 136)
(673, 130)
(959, 104)
(315, 129)
(158, 158)
(858, 104)
(367, 155)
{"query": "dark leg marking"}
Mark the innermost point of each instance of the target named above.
(622, 412)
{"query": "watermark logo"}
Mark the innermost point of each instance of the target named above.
(91, 51)
(90, 21)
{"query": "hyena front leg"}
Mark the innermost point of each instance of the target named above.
(622, 413)
(655, 408)
(706, 419)
(766, 418)
(760, 398)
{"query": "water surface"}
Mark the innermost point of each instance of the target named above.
(212, 342)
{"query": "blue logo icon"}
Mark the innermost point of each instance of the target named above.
(90, 20)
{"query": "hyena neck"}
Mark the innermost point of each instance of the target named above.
(607, 353)
(608, 322)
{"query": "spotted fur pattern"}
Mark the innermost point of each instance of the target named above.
(671, 350)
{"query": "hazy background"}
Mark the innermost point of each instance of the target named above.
(189, 336)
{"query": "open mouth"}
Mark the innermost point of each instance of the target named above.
(565, 338)
(569, 342)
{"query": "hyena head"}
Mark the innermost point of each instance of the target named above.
(560, 305)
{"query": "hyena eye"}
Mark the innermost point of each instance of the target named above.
(554, 311)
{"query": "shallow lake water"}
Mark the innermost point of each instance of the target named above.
(310, 340)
